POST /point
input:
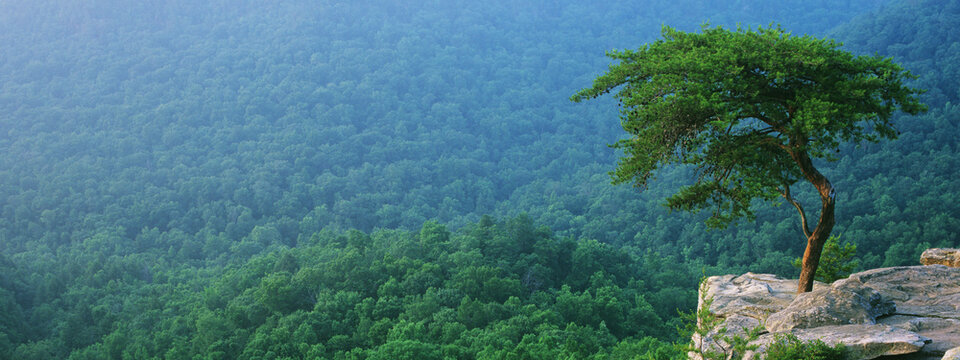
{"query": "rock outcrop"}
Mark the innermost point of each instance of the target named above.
(952, 354)
(881, 312)
(947, 257)
(863, 341)
(836, 305)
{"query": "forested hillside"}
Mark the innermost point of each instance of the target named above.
(248, 179)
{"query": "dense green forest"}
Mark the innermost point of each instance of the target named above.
(389, 180)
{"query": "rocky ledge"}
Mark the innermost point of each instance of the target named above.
(909, 312)
(948, 257)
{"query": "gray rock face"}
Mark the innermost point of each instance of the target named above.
(880, 312)
(836, 305)
(862, 340)
(922, 291)
(943, 333)
(947, 257)
(750, 295)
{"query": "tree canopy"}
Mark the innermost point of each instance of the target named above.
(750, 110)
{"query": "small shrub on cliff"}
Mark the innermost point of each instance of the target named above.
(789, 347)
(712, 342)
(836, 262)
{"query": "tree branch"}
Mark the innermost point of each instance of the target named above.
(777, 142)
(803, 217)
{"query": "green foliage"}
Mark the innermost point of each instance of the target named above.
(646, 349)
(746, 108)
(178, 177)
(699, 323)
(750, 111)
(406, 350)
(382, 296)
(836, 261)
(788, 347)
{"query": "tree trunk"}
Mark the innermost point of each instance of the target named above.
(811, 256)
(819, 236)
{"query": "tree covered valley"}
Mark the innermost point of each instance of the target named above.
(399, 180)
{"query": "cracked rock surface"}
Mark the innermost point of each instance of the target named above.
(880, 312)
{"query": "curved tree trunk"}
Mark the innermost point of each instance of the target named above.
(820, 234)
(811, 256)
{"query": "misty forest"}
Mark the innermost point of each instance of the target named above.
(406, 179)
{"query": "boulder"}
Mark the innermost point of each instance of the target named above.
(749, 295)
(743, 303)
(881, 312)
(952, 354)
(836, 305)
(946, 257)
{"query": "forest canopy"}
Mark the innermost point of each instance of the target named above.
(186, 179)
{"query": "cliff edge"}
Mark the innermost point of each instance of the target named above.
(911, 312)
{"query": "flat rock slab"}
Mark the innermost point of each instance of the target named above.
(920, 291)
(943, 333)
(862, 341)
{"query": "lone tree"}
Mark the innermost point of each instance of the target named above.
(750, 110)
